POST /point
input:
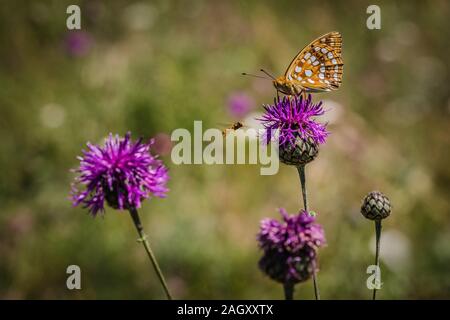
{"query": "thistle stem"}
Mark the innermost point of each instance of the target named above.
(301, 172)
(143, 238)
(377, 250)
(288, 291)
(316, 285)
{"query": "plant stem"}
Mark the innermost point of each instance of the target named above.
(301, 172)
(288, 291)
(316, 285)
(377, 250)
(143, 238)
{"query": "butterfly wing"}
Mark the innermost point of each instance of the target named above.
(319, 66)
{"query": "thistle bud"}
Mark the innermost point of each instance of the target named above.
(376, 206)
(301, 152)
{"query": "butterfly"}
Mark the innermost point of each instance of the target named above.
(317, 67)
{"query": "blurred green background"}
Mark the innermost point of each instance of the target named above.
(152, 67)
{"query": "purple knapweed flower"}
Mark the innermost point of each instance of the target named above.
(121, 172)
(162, 144)
(240, 104)
(290, 246)
(78, 43)
(293, 117)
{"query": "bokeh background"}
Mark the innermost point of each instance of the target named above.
(152, 67)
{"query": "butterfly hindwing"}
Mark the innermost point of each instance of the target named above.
(319, 66)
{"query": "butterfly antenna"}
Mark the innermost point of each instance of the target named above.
(253, 75)
(262, 70)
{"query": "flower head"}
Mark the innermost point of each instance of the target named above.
(376, 206)
(290, 246)
(121, 172)
(78, 43)
(162, 144)
(239, 104)
(293, 117)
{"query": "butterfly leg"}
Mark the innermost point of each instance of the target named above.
(303, 93)
(278, 96)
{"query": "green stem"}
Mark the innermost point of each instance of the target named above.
(143, 238)
(288, 291)
(301, 172)
(377, 250)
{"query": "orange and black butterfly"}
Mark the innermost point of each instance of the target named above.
(317, 67)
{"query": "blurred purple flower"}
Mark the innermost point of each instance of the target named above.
(162, 144)
(78, 43)
(290, 246)
(293, 116)
(121, 172)
(239, 104)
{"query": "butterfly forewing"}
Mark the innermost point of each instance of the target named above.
(319, 66)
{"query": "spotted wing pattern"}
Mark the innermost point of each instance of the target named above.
(319, 66)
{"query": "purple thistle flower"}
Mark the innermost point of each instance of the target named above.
(122, 172)
(290, 246)
(239, 104)
(78, 43)
(293, 117)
